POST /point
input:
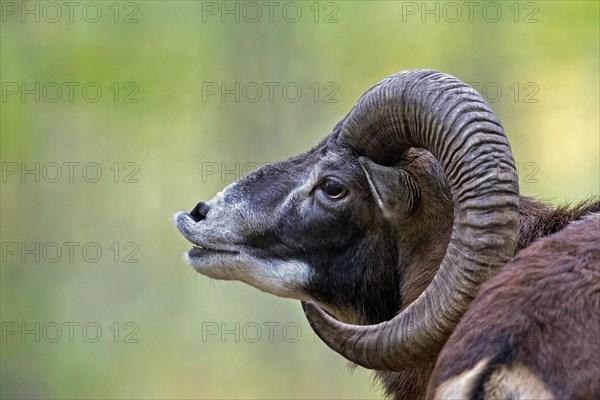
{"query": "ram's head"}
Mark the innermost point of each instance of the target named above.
(361, 223)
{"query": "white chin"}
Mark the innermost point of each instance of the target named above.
(281, 278)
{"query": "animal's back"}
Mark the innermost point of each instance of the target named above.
(534, 329)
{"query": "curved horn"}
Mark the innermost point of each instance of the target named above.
(435, 111)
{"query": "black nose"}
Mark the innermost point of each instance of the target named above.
(199, 212)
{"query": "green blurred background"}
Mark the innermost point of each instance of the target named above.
(164, 140)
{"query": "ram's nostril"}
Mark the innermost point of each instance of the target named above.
(199, 212)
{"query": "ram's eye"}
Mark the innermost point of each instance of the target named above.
(333, 189)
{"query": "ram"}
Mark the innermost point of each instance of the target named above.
(405, 237)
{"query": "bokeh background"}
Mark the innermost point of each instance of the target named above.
(179, 116)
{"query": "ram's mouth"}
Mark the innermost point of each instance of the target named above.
(187, 226)
(199, 251)
(210, 261)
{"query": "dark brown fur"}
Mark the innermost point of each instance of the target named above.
(531, 311)
(539, 220)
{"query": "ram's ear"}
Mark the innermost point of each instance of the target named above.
(395, 190)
